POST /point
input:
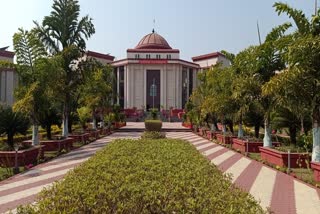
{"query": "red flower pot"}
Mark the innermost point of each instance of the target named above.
(279, 158)
(316, 170)
(241, 145)
(25, 157)
(224, 139)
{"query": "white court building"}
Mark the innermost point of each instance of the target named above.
(154, 62)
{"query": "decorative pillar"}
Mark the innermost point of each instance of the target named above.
(118, 85)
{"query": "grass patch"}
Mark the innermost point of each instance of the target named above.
(145, 176)
(255, 156)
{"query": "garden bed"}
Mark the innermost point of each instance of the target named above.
(241, 145)
(81, 137)
(224, 139)
(56, 144)
(25, 157)
(279, 158)
(316, 170)
(178, 180)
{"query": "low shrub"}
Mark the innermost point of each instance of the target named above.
(145, 176)
(153, 135)
(153, 125)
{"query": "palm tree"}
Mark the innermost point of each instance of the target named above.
(12, 123)
(302, 76)
(64, 34)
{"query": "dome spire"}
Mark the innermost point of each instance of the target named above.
(153, 30)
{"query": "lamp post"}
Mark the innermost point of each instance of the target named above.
(16, 167)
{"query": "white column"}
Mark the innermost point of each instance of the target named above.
(144, 87)
(164, 94)
(125, 88)
(161, 86)
(118, 85)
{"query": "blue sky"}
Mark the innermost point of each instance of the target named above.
(194, 26)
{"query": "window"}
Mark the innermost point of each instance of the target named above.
(169, 56)
(137, 56)
(148, 56)
(158, 56)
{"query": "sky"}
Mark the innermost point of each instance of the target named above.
(195, 27)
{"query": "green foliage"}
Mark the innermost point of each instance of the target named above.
(12, 123)
(153, 135)
(153, 125)
(84, 114)
(145, 176)
(154, 113)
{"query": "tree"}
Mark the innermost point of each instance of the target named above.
(301, 78)
(12, 123)
(33, 68)
(64, 34)
(96, 92)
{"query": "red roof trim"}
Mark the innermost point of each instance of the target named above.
(153, 51)
(126, 62)
(8, 54)
(100, 55)
(207, 56)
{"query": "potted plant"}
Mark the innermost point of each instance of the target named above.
(249, 144)
(12, 123)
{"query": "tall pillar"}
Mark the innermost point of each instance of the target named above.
(118, 85)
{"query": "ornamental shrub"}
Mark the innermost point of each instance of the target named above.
(153, 125)
(145, 176)
(153, 135)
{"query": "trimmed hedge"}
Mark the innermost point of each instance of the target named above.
(153, 125)
(145, 176)
(153, 135)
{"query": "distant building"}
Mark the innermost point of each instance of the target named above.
(8, 78)
(103, 58)
(153, 75)
(207, 60)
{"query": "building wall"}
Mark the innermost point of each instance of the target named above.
(8, 82)
(170, 84)
(131, 55)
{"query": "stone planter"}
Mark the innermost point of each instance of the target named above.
(224, 139)
(94, 133)
(104, 131)
(56, 145)
(209, 135)
(253, 147)
(187, 125)
(316, 170)
(81, 137)
(25, 157)
(279, 158)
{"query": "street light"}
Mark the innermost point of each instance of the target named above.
(16, 167)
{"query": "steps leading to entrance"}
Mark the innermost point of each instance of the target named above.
(142, 130)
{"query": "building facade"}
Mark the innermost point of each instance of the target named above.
(8, 79)
(153, 75)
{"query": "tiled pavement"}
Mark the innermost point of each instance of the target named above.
(280, 192)
(23, 188)
(275, 190)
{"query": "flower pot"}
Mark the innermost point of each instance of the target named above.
(316, 170)
(80, 137)
(253, 147)
(58, 145)
(279, 158)
(209, 135)
(25, 157)
(224, 139)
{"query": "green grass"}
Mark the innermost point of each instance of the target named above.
(254, 156)
(8, 172)
(145, 176)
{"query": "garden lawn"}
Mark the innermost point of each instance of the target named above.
(145, 176)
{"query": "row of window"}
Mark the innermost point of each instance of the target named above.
(148, 56)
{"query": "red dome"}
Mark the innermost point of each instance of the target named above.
(153, 41)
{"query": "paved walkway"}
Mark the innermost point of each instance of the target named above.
(276, 190)
(23, 188)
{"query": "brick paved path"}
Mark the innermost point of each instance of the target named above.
(274, 189)
(280, 192)
(23, 188)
